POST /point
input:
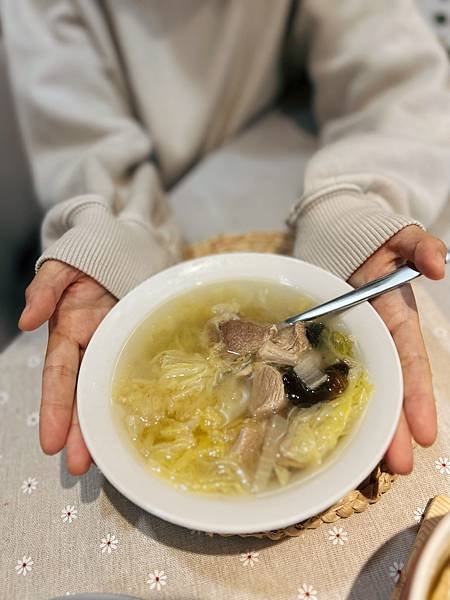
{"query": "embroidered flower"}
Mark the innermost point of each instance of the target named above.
(33, 419)
(4, 397)
(29, 485)
(395, 570)
(307, 592)
(24, 566)
(338, 535)
(156, 580)
(33, 361)
(109, 543)
(442, 465)
(418, 514)
(69, 514)
(248, 559)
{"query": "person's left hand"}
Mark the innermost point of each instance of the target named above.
(399, 311)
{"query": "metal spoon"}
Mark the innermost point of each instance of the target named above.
(366, 292)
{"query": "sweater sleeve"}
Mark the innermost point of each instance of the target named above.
(91, 160)
(382, 105)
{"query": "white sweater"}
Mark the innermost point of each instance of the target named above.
(118, 99)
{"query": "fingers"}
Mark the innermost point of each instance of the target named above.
(427, 252)
(58, 391)
(419, 402)
(59, 424)
(399, 311)
(399, 456)
(78, 458)
(44, 292)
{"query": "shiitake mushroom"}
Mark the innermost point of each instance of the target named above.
(301, 395)
(314, 332)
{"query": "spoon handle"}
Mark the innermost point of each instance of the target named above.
(366, 292)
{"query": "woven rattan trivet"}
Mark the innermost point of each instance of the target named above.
(380, 480)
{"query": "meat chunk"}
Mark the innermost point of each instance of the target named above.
(286, 347)
(244, 337)
(222, 313)
(267, 396)
(249, 443)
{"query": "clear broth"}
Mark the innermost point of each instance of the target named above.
(181, 435)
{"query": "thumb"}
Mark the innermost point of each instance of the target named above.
(44, 293)
(427, 252)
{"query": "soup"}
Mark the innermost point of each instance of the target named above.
(441, 589)
(217, 399)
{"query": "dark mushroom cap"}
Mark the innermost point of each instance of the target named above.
(301, 395)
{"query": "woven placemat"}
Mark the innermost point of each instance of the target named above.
(380, 480)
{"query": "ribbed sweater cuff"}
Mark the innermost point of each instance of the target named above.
(119, 254)
(340, 229)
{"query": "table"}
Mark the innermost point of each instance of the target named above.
(62, 534)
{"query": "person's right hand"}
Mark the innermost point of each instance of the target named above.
(74, 305)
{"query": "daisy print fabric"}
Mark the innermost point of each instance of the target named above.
(307, 592)
(29, 485)
(109, 544)
(100, 533)
(34, 361)
(24, 566)
(395, 570)
(442, 465)
(33, 419)
(418, 514)
(249, 559)
(338, 536)
(69, 514)
(157, 580)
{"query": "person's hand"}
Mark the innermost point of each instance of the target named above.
(74, 304)
(398, 310)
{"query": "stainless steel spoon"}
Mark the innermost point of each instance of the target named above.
(366, 292)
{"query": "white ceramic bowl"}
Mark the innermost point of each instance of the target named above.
(280, 508)
(432, 559)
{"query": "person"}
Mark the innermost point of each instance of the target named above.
(119, 100)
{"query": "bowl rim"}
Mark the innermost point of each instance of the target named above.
(424, 573)
(185, 269)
